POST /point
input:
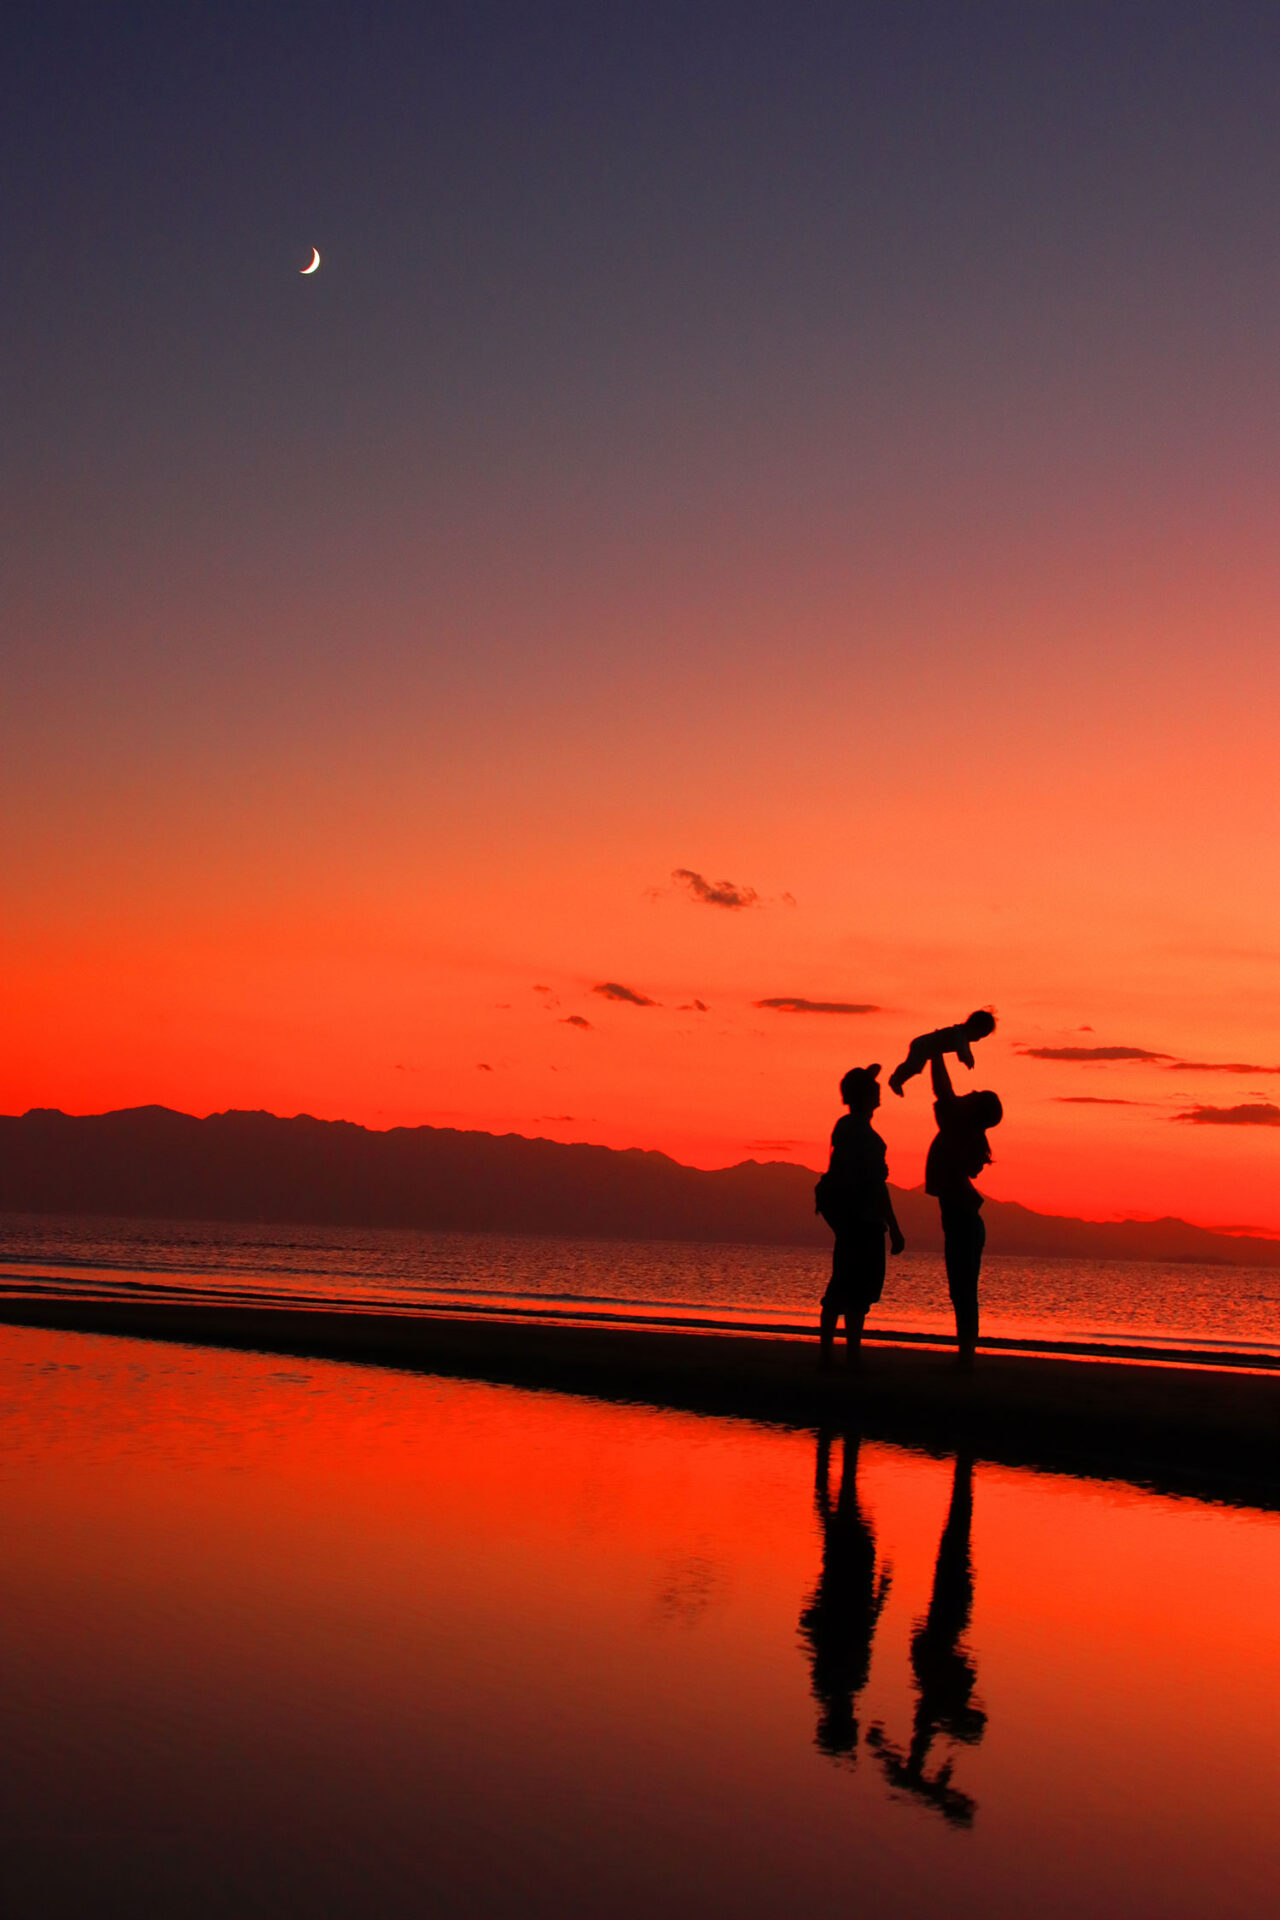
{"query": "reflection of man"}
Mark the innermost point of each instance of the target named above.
(944, 1670)
(839, 1622)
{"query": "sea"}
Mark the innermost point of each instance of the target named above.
(1232, 1310)
(295, 1638)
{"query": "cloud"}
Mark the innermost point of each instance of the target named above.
(773, 1146)
(793, 1003)
(577, 1020)
(1145, 1055)
(556, 1119)
(482, 1066)
(610, 990)
(1260, 1114)
(715, 893)
(693, 1006)
(1095, 1100)
(1218, 1066)
(1092, 1053)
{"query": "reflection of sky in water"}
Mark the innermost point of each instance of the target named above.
(304, 1638)
(1195, 1305)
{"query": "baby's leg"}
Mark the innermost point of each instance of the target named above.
(915, 1062)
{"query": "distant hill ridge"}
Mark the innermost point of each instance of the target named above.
(151, 1162)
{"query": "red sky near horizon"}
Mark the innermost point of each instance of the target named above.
(838, 459)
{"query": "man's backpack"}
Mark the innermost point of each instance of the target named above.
(827, 1201)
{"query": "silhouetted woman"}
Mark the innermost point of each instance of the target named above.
(944, 1668)
(960, 1151)
(853, 1198)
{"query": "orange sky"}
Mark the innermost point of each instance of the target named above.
(393, 924)
(870, 501)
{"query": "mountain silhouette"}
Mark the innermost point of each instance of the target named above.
(151, 1162)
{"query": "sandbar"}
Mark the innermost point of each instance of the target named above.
(1180, 1428)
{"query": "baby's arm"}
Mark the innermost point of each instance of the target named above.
(951, 1040)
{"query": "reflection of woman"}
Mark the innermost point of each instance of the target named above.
(839, 1621)
(944, 1669)
(853, 1198)
(960, 1151)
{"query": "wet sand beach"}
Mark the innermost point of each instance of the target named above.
(1182, 1427)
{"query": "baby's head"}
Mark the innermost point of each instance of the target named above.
(860, 1089)
(980, 1024)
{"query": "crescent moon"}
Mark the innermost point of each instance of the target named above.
(315, 261)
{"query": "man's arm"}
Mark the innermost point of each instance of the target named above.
(896, 1241)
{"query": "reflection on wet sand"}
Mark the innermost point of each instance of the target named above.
(944, 1669)
(839, 1622)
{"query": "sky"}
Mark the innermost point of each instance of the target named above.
(761, 509)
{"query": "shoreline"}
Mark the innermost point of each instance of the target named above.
(1176, 1428)
(636, 1316)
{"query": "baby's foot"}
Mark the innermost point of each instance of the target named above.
(896, 1084)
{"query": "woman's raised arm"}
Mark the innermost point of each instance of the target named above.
(943, 1091)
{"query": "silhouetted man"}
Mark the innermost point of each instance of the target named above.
(839, 1622)
(853, 1198)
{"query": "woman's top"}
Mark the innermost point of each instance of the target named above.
(954, 1157)
(859, 1168)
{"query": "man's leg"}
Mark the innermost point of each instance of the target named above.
(854, 1321)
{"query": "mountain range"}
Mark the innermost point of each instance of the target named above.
(151, 1162)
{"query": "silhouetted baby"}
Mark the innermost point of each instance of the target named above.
(945, 1040)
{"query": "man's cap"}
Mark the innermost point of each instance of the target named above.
(859, 1080)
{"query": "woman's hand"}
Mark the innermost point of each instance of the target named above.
(896, 1241)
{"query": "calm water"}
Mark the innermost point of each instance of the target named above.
(306, 1639)
(1235, 1307)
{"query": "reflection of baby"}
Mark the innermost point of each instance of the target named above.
(945, 1040)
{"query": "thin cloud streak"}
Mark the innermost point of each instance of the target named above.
(793, 1003)
(1145, 1056)
(1261, 1114)
(1218, 1066)
(1095, 1100)
(1093, 1053)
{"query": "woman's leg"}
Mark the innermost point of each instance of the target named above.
(964, 1236)
(827, 1323)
